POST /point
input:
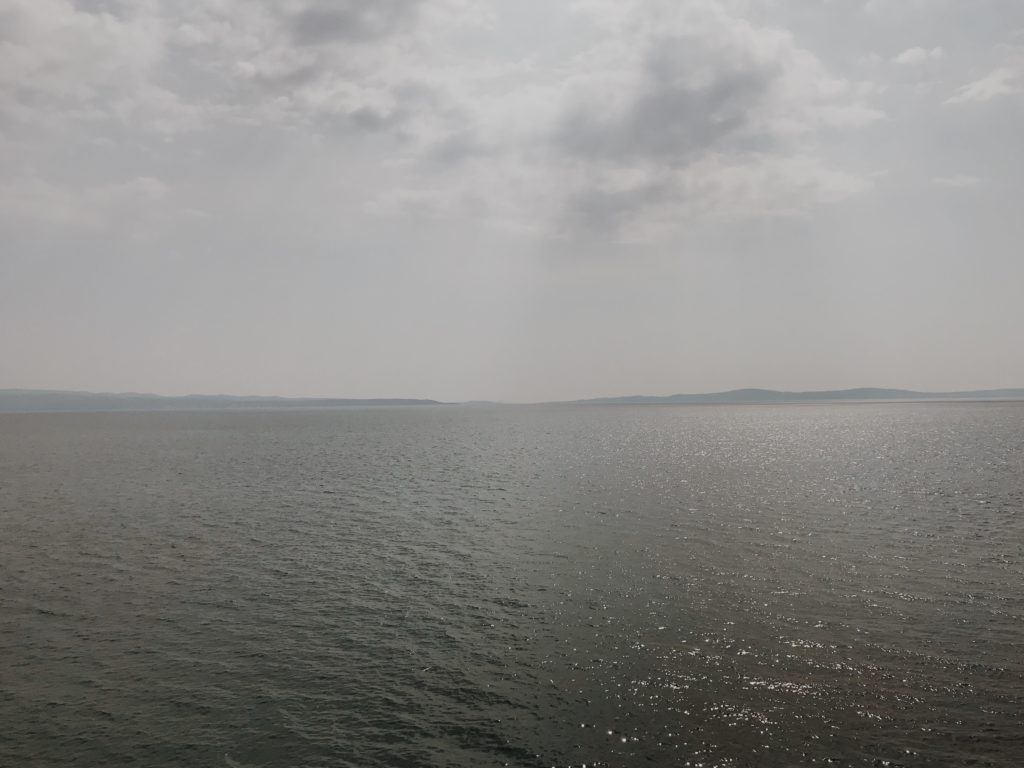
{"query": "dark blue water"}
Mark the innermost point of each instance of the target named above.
(669, 586)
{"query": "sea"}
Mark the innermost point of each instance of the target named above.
(698, 586)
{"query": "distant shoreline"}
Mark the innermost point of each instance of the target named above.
(771, 396)
(57, 401)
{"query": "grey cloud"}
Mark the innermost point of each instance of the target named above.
(603, 210)
(352, 20)
(112, 7)
(406, 103)
(455, 149)
(12, 24)
(59, 62)
(373, 87)
(1004, 81)
(699, 93)
(373, 120)
(286, 79)
(688, 103)
(671, 117)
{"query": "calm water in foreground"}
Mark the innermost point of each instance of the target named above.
(668, 586)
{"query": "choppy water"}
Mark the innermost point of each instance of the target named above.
(715, 586)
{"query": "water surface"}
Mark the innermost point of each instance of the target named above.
(551, 586)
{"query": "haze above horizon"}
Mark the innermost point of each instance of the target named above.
(517, 202)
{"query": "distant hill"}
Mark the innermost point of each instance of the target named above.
(835, 395)
(41, 401)
(38, 400)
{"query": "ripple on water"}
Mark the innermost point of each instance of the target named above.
(703, 586)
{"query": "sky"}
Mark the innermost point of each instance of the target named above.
(516, 201)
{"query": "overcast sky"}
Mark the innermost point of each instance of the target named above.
(514, 199)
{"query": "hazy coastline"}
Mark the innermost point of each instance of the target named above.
(60, 401)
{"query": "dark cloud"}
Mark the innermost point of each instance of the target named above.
(691, 99)
(678, 110)
(375, 120)
(352, 20)
(397, 115)
(286, 79)
(602, 210)
(12, 25)
(455, 149)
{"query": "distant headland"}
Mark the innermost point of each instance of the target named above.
(823, 396)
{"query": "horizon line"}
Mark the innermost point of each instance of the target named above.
(749, 392)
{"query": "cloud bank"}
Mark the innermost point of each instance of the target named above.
(662, 111)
